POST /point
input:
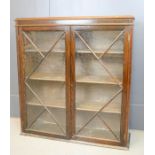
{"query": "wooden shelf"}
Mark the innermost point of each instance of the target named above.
(80, 79)
(88, 106)
(55, 104)
(45, 50)
(95, 80)
(98, 134)
(112, 52)
(47, 77)
(83, 106)
(101, 51)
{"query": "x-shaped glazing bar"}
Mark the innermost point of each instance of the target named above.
(49, 51)
(36, 118)
(33, 44)
(113, 42)
(101, 109)
(101, 62)
(43, 58)
(108, 127)
(41, 103)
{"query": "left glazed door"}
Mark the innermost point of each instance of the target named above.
(44, 68)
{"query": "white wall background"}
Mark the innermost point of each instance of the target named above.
(42, 8)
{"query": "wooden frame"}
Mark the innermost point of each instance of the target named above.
(126, 74)
(69, 25)
(21, 72)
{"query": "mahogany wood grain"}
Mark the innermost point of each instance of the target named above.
(73, 85)
(111, 20)
(126, 86)
(69, 25)
(68, 84)
(21, 78)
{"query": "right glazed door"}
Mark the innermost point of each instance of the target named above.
(99, 60)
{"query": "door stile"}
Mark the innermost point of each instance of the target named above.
(68, 84)
(21, 72)
(73, 89)
(21, 78)
(73, 86)
(126, 86)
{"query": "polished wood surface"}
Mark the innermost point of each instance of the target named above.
(69, 25)
(77, 17)
(51, 21)
(21, 72)
(126, 85)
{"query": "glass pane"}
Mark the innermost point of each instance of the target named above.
(99, 75)
(45, 81)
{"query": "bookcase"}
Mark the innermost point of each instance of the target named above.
(74, 77)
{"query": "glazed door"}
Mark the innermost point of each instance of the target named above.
(44, 69)
(98, 52)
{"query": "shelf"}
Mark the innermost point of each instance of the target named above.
(95, 80)
(112, 52)
(119, 52)
(95, 106)
(55, 104)
(45, 50)
(83, 106)
(98, 134)
(47, 77)
(45, 123)
(80, 79)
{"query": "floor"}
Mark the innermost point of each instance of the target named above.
(27, 145)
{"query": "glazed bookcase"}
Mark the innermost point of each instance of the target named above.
(74, 77)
